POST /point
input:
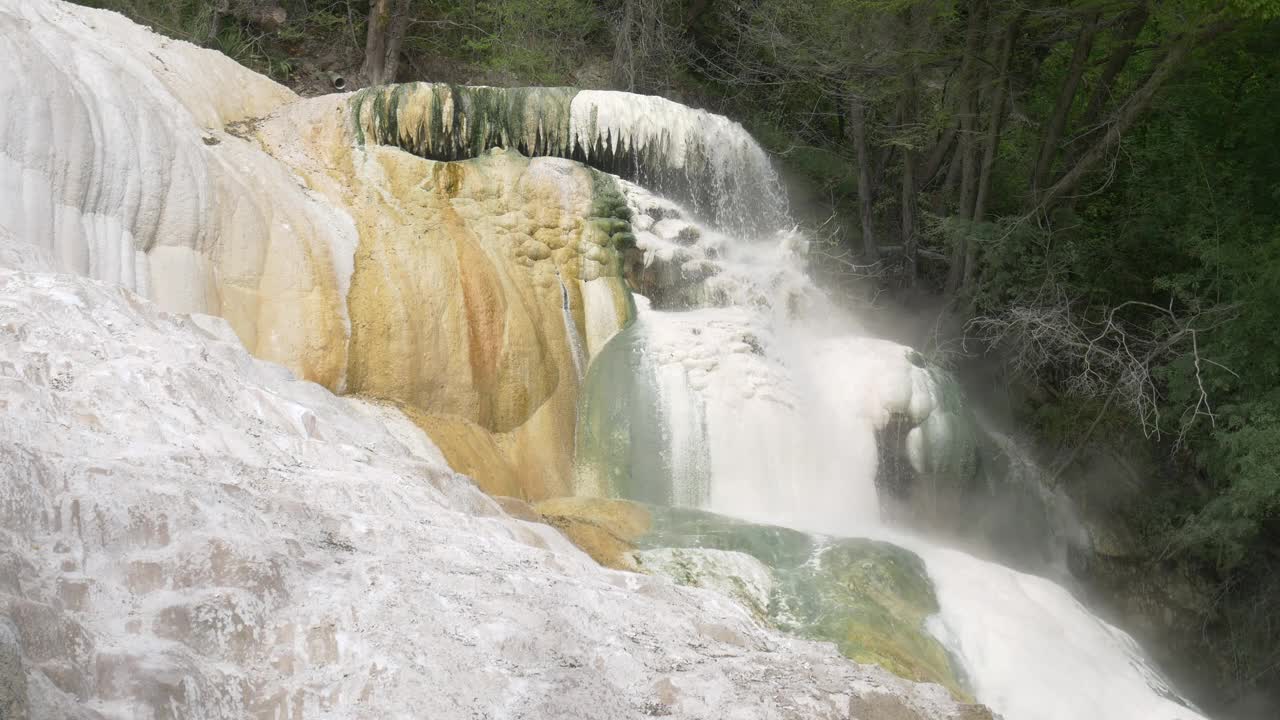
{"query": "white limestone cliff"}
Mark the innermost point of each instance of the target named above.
(186, 531)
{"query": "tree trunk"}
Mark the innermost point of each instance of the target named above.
(866, 200)
(1127, 114)
(936, 157)
(995, 118)
(950, 181)
(1134, 21)
(384, 39)
(909, 207)
(624, 51)
(395, 40)
(1066, 96)
(265, 14)
(910, 213)
(967, 156)
(991, 143)
(375, 44)
(969, 112)
(638, 45)
(965, 153)
(880, 166)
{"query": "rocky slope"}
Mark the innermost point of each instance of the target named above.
(189, 532)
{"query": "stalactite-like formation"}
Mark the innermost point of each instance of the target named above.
(707, 161)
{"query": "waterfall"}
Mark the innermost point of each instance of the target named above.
(743, 390)
(571, 334)
(672, 149)
(667, 147)
(1033, 651)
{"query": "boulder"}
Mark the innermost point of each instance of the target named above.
(871, 598)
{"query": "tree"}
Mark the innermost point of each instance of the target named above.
(857, 124)
(384, 40)
(1130, 110)
(1057, 121)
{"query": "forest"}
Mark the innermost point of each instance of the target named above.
(1085, 196)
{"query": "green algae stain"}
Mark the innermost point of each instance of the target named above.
(871, 598)
(455, 122)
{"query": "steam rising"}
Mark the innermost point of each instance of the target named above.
(742, 389)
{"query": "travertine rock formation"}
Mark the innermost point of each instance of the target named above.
(470, 292)
(188, 532)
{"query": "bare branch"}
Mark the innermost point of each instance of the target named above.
(1108, 354)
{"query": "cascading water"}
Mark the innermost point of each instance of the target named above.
(669, 148)
(576, 349)
(1033, 651)
(720, 171)
(739, 389)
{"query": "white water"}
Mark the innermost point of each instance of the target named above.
(729, 178)
(761, 407)
(728, 411)
(571, 333)
(768, 403)
(1033, 652)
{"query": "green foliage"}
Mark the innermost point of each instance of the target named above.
(190, 20)
(1229, 526)
(537, 41)
(1198, 214)
(247, 47)
(534, 42)
(1188, 219)
(196, 21)
(1256, 9)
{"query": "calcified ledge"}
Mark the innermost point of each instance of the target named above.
(708, 160)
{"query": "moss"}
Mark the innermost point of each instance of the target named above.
(776, 547)
(607, 200)
(357, 116)
(622, 241)
(456, 122)
(737, 575)
(870, 598)
(610, 216)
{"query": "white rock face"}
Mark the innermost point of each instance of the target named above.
(188, 532)
(116, 162)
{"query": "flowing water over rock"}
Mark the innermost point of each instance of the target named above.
(664, 146)
(188, 532)
(741, 390)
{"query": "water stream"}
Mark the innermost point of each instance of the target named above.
(742, 390)
(572, 336)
